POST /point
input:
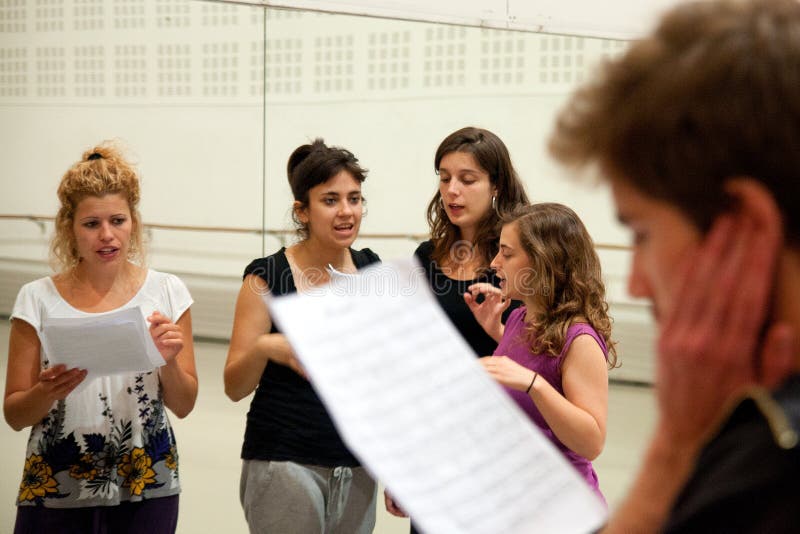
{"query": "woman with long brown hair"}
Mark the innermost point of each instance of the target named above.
(556, 349)
(477, 186)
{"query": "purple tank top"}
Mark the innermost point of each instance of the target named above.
(515, 345)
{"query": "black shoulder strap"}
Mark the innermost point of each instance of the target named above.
(281, 272)
(364, 257)
(424, 250)
(274, 270)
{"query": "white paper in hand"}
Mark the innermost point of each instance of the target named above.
(412, 402)
(106, 344)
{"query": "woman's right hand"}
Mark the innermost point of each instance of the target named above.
(719, 330)
(252, 345)
(31, 391)
(57, 382)
(279, 351)
(392, 506)
(489, 311)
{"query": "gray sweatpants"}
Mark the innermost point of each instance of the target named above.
(291, 498)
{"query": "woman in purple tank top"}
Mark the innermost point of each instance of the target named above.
(554, 352)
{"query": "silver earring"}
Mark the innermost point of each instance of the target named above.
(494, 202)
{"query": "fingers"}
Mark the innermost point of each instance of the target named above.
(737, 284)
(67, 387)
(158, 321)
(57, 382)
(156, 318)
(167, 335)
(503, 370)
(472, 304)
(164, 331)
(755, 279)
(489, 292)
(395, 510)
(699, 270)
(715, 293)
(728, 282)
(59, 374)
(497, 362)
(391, 506)
(52, 372)
(487, 304)
(483, 287)
(167, 338)
(712, 331)
(776, 362)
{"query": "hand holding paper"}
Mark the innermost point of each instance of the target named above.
(105, 344)
(57, 382)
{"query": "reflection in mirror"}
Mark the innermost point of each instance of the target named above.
(210, 98)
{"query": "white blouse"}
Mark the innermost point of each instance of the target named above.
(110, 441)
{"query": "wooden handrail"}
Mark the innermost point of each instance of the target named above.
(280, 234)
(38, 219)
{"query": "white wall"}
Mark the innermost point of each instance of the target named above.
(180, 83)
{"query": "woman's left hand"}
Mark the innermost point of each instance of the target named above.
(167, 336)
(391, 505)
(508, 372)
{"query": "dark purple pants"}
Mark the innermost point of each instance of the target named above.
(154, 516)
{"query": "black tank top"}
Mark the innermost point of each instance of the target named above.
(287, 420)
(450, 294)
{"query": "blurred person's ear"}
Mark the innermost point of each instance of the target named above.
(754, 204)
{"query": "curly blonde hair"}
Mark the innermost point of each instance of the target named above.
(102, 170)
(565, 275)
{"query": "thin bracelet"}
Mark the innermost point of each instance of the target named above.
(535, 374)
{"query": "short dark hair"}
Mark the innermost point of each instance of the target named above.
(316, 163)
(712, 94)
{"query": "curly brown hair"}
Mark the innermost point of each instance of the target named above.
(102, 170)
(566, 276)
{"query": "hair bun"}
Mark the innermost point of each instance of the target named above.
(302, 152)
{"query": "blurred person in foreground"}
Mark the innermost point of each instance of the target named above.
(697, 130)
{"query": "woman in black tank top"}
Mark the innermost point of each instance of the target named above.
(477, 186)
(298, 475)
